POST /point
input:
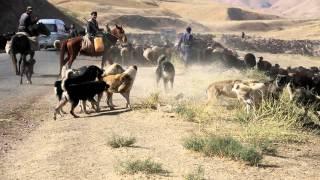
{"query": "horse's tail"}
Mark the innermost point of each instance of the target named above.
(63, 50)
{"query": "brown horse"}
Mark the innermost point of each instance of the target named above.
(73, 47)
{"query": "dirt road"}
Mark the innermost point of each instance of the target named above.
(41, 148)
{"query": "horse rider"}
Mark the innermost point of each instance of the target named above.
(185, 46)
(26, 21)
(91, 32)
(92, 26)
(73, 31)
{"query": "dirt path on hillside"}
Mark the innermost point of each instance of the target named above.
(77, 148)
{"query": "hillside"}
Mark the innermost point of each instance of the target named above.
(297, 8)
(10, 12)
(151, 15)
(249, 3)
(292, 9)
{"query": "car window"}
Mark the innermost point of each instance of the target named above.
(61, 28)
(51, 27)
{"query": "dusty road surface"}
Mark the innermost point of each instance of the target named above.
(34, 146)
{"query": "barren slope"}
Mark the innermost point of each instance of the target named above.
(137, 15)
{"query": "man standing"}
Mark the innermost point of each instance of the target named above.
(92, 26)
(26, 21)
(185, 46)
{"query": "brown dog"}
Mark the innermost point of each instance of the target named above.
(252, 93)
(120, 83)
(222, 88)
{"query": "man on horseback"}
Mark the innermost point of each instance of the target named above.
(25, 41)
(185, 46)
(92, 31)
(26, 21)
(93, 26)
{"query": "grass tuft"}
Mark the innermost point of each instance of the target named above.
(193, 112)
(223, 147)
(273, 122)
(121, 141)
(151, 102)
(198, 174)
(147, 166)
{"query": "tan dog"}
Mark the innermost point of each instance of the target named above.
(113, 69)
(252, 93)
(120, 83)
(220, 89)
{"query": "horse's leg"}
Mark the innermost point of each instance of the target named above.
(72, 54)
(20, 61)
(22, 72)
(106, 57)
(14, 62)
(32, 53)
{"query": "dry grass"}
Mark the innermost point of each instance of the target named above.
(223, 147)
(146, 166)
(153, 101)
(278, 122)
(198, 174)
(117, 141)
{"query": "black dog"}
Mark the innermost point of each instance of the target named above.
(86, 74)
(83, 74)
(83, 91)
(165, 70)
(77, 76)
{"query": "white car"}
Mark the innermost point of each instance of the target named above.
(58, 32)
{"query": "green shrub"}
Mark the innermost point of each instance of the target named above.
(147, 166)
(198, 174)
(120, 141)
(223, 147)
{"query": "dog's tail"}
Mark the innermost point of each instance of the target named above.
(65, 81)
(126, 82)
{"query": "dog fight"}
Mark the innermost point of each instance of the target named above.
(150, 89)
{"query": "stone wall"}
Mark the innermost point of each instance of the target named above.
(276, 46)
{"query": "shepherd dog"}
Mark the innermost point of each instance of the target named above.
(252, 93)
(27, 69)
(166, 71)
(222, 88)
(113, 69)
(120, 83)
(83, 91)
(73, 78)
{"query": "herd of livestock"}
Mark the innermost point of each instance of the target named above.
(275, 46)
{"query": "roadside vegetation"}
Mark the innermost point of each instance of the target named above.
(146, 166)
(117, 141)
(223, 147)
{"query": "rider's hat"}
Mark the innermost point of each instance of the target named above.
(94, 13)
(29, 8)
